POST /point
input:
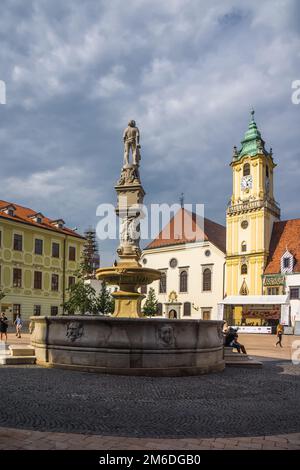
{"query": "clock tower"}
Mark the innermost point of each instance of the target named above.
(251, 213)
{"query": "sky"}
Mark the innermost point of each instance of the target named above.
(188, 72)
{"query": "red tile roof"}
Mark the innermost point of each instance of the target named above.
(285, 236)
(24, 214)
(188, 227)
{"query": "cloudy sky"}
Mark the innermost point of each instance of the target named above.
(188, 71)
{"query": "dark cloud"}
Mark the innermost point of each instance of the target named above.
(187, 71)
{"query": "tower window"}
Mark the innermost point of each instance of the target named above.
(267, 171)
(244, 269)
(244, 247)
(246, 169)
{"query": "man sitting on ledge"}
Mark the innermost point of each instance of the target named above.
(231, 340)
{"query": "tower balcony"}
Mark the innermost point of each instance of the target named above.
(254, 205)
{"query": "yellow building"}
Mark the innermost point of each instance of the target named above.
(38, 261)
(250, 215)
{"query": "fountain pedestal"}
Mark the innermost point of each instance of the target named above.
(128, 274)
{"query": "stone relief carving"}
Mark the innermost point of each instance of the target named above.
(166, 335)
(129, 175)
(31, 327)
(74, 330)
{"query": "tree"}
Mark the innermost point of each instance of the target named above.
(151, 304)
(2, 295)
(105, 301)
(90, 254)
(82, 299)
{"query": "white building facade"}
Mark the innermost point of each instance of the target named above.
(192, 282)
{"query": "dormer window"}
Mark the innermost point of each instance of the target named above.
(287, 263)
(59, 223)
(38, 217)
(9, 210)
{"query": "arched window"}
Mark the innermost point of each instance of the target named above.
(206, 280)
(159, 309)
(183, 281)
(187, 309)
(246, 169)
(244, 246)
(163, 283)
(244, 269)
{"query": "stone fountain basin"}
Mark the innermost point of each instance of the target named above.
(128, 275)
(128, 346)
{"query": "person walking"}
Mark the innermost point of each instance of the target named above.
(18, 324)
(279, 332)
(3, 326)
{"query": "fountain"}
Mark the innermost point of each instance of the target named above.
(125, 343)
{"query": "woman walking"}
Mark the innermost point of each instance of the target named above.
(279, 332)
(18, 323)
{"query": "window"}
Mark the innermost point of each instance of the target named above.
(183, 284)
(55, 250)
(187, 309)
(267, 171)
(54, 282)
(244, 224)
(246, 169)
(72, 253)
(159, 309)
(206, 280)
(207, 253)
(54, 311)
(38, 246)
(173, 263)
(16, 310)
(286, 262)
(18, 242)
(273, 290)
(244, 247)
(17, 277)
(244, 269)
(0, 239)
(37, 310)
(163, 283)
(294, 292)
(37, 284)
(72, 281)
(144, 289)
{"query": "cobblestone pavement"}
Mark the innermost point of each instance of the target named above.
(56, 409)
(15, 439)
(256, 402)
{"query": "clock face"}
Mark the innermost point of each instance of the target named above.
(246, 182)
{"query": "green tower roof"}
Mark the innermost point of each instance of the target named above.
(252, 144)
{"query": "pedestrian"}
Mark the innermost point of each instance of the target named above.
(18, 323)
(3, 326)
(279, 332)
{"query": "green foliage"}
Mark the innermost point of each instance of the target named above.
(151, 304)
(105, 301)
(82, 299)
(2, 295)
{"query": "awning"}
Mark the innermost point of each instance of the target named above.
(255, 300)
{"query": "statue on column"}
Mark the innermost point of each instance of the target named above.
(131, 138)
